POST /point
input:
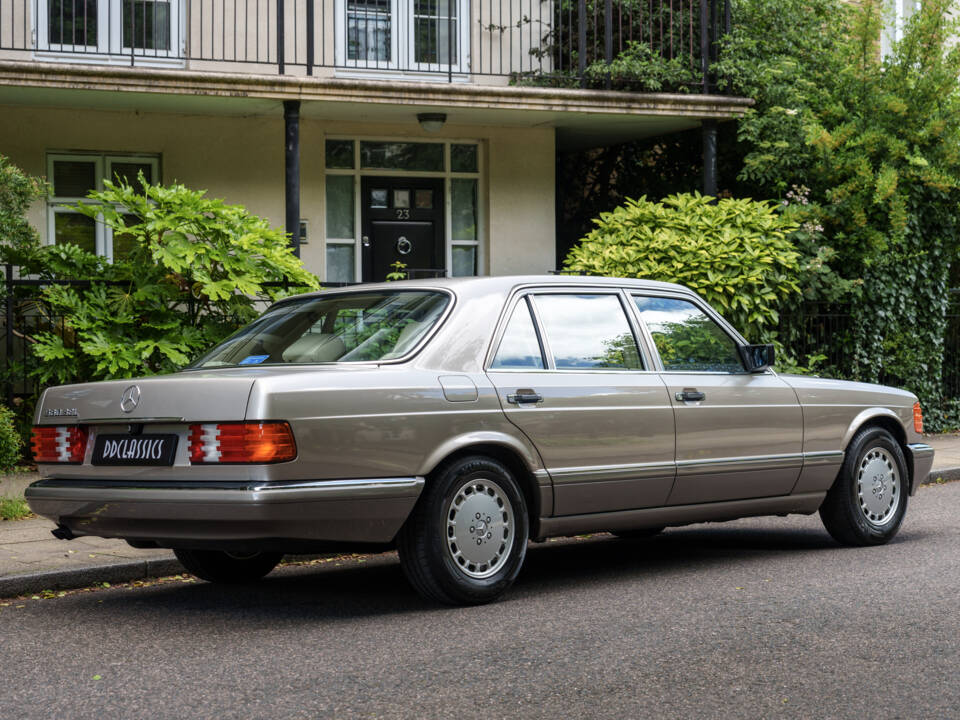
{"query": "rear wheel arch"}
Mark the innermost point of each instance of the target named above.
(514, 462)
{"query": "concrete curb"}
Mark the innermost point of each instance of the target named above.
(89, 575)
(943, 474)
(127, 571)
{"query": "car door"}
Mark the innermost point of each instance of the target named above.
(739, 434)
(571, 375)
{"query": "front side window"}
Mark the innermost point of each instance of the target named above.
(73, 177)
(519, 347)
(686, 338)
(588, 332)
(354, 327)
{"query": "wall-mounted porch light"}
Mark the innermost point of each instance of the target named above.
(431, 122)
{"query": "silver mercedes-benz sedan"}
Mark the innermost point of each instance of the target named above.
(458, 419)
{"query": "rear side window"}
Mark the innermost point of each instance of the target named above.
(588, 332)
(686, 338)
(519, 349)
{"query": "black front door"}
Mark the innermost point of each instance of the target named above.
(402, 222)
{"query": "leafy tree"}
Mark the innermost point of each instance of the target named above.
(193, 272)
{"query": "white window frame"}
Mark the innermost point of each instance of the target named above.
(403, 44)
(903, 10)
(447, 175)
(110, 47)
(103, 165)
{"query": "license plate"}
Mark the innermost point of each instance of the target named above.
(135, 450)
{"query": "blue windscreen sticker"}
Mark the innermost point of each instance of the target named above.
(253, 359)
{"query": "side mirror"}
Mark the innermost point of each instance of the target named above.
(756, 358)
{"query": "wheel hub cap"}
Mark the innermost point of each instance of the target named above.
(878, 486)
(480, 528)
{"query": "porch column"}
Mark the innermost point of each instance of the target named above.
(709, 131)
(291, 126)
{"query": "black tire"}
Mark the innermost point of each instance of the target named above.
(217, 566)
(866, 506)
(427, 544)
(637, 534)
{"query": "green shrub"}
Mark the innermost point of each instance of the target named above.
(735, 253)
(193, 270)
(14, 508)
(11, 444)
(17, 191)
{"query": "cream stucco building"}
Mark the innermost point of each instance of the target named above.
(374, 131)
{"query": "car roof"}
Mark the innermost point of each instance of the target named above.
(466, 286)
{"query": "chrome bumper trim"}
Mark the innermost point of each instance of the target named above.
(358, 510)
(921, 457)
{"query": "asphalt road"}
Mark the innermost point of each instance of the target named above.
(754, 619)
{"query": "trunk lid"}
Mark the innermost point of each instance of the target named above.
(182, 397)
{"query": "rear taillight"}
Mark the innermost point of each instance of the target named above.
(918, 418)
(265, 442)
(59, 443)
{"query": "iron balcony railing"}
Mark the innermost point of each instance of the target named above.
(556, 42)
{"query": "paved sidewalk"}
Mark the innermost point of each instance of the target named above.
(31, 559)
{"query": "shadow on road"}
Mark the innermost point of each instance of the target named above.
(377, 586)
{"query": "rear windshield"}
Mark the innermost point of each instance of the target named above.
(353, 327)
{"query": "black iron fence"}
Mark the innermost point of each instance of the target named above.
(557, 39)
(824, 332)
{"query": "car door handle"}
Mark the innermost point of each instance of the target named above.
(690, 396)
(521, 397)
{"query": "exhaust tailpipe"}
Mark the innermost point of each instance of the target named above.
(62, 532)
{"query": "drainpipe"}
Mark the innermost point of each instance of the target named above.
(291, 126)
(708, 127)
(709, 131)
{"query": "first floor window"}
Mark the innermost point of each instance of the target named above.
(147, 28)
(418, 35)
(73, 176)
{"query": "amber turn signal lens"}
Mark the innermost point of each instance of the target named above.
(258, 443)
(918, 418)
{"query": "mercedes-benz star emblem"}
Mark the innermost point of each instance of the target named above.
(130, 398)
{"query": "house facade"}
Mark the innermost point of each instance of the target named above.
(374, 131)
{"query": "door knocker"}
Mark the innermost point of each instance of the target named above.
(404, 246)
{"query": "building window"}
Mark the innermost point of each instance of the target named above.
(419, 35)
(458, 163)
(898, 13)
(73, 176)
(139, 28)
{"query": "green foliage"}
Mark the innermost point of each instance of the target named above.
(17, 192)
(734, 253)
(11, 444)
(641, 68)
(192, 275)
(778, 53)
(399, 271)
(14, 508)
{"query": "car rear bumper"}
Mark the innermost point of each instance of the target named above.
(921, 457)
(363, 511)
